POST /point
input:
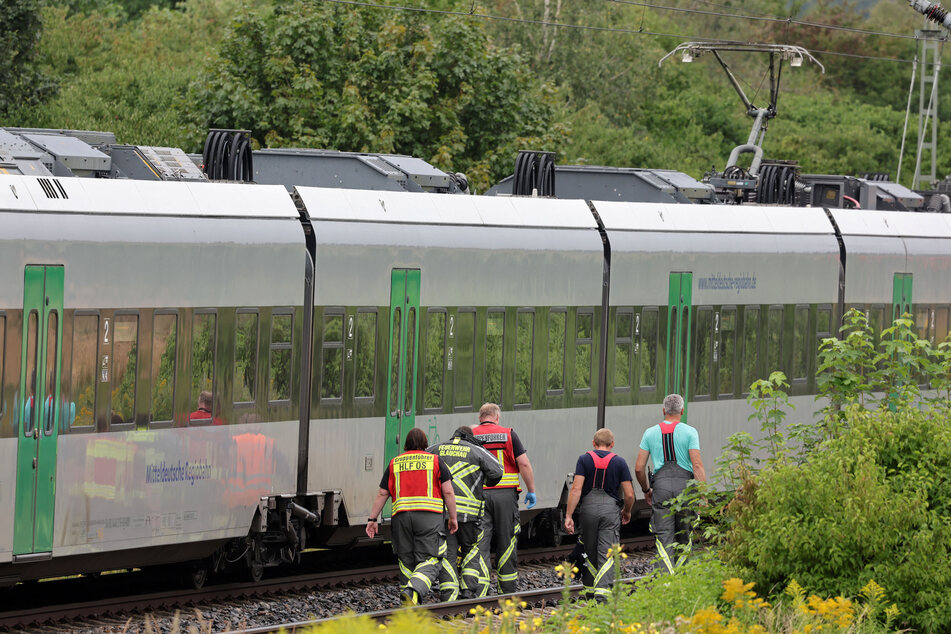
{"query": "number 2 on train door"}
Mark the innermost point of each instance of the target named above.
(38, 416)
(679, 313)
(402, 358)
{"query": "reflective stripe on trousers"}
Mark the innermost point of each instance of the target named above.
(670, 528)
(600, 531)
(417, 541)
(474, 572)
(501, 528)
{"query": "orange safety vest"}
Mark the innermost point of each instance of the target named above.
(415, 483)
(497, 440)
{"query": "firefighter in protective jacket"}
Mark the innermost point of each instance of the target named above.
(500, 525)
(471, 466)
(421, 487)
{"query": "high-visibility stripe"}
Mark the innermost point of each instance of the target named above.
(420, 503)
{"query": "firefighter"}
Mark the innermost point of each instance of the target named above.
(674, 448)
(500, 524)
(421, 486)
(604, 486)
(471, 466)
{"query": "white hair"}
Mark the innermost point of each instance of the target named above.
(673, 404)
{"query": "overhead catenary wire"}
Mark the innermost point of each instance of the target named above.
(584, 27)
(788, 20)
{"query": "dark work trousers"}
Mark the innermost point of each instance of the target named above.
(471, 575)
(417, 536)
(600, 530)
(500, 529)
(669, 529)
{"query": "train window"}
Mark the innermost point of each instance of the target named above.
(623, 342)
(204, 344)
(726, 350)
(365, 362)
(750, 347)
(52, 338)
(876, 322)
(645, 332)
(331, 385)
(125, 342)
(435, 367)
(524, 340)
(556, 350)
(463, 331)
(494, 335)
(84, 369)
(412, 334)
(922, 321)
(703, 363)
(824, 322)
(279, 363)
(164, 349)
(29, 412)
(394, 378)
(774, 339)
(802, 342)
(246, 333)
(584, 328)
(940, 325)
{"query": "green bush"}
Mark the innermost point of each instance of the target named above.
(869, 499)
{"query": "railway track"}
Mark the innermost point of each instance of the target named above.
(136, 604)
(534, 599)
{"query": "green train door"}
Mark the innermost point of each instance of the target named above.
(679, 309)
(40, 368)
(901, 296)
(402, 357)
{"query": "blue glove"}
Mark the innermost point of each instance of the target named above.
(530, 500)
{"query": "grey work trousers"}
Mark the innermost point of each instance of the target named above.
(417, 537)
(600, 530)
(471, 577)
(500, 529)
(670, 528)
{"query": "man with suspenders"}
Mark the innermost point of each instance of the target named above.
(500, 525)
(674, 448)
(603, 483)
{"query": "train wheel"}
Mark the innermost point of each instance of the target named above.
(195, 575)
(255, 571)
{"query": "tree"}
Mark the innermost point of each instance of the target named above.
(368, 80)
(20, 31)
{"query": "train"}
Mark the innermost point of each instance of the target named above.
(213, 375)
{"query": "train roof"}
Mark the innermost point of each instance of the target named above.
(326, 204)
(144, 198)
(621, 216)
(893, 223)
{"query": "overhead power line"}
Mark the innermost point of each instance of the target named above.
(567, 25)
(762, 18)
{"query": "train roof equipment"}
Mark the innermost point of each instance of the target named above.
(736, 182)
(625, 184)
(50, 152)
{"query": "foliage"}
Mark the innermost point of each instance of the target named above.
(354, 79)
(868, 502)
(123, 77)
(23, 83)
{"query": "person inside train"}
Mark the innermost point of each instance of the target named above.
(674, 448)
(204, 407)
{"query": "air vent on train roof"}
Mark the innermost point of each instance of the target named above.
(52, 188)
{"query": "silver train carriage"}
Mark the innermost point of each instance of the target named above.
(210, 373)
